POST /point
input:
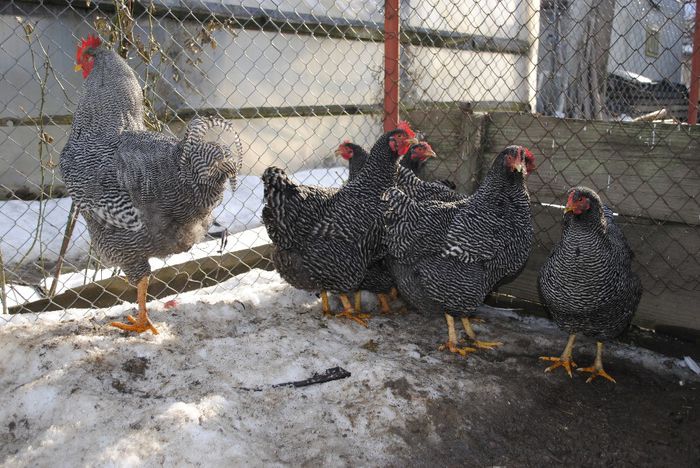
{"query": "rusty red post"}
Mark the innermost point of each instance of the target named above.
(391, 64)
(695, 70)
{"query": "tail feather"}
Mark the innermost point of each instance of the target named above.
(278, 213)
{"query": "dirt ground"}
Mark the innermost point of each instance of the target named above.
(77, 392)
(646, 419)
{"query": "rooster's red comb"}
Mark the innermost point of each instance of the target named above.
(91, 41)
(403, 125)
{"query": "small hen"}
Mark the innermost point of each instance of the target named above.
(447, 256)
(142, 194)
(587, 283)
(328, 243)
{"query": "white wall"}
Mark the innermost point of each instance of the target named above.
(262, 69)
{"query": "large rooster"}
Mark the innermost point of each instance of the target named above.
(329, 243)
(447, 256)
(143, 194)
(587, 282)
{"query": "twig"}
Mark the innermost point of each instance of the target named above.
(2, 284)
(329, 375)
(72, 218)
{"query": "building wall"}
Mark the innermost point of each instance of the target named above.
(253, 69)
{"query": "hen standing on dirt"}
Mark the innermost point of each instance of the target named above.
(587, 282)
(447, 256)
(143, 194)
(328, 243)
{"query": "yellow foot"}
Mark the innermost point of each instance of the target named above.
(138, 326)
(595, 372)
(486, 344)
(453, 348)
(567, 364)
(359, 318)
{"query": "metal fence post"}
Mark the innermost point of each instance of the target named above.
(695, 70)
(391, 64)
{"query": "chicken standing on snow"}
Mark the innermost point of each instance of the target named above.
(328, 243)
(379, 279)
(447, 256)
(587, 282)
(142, 194)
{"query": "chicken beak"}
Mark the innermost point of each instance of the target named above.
(411, 141)
(568, 209)
(431, 154)
(338, 152)
(520, 167)
(78, 67)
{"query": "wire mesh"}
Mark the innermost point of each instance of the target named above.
(596, 88)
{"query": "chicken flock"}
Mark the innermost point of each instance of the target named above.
(145, 194)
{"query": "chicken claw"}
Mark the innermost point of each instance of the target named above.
(567, 364)
(472, 336)
(453, 348)
(451, 344)
(564, 360)
(597, 368)
(141, 323)
(349, 313)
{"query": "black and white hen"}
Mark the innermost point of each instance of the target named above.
(587, 283)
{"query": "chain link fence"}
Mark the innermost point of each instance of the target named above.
(597, 89)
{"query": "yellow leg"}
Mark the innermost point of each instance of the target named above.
(326, 308)
(597, 368)
(141, 323)
(472, 336)
(358, 301)
(349, 313)
(451, 344)
(384, 303)
(564, 360)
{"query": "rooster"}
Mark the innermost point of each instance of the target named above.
(447, 256)
(603, 296)
(328, 243)
(142, 194)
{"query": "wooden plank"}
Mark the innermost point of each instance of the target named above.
(667, 258)
(456, 136)
(195, 274)
(643, 169)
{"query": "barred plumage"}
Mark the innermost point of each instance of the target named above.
(448, 255)
(587, 283)
(143, 194)
(327, 241)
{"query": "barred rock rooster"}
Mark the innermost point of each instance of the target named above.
(587, 282)
(142, 194)
(447, 256)
(328, 243)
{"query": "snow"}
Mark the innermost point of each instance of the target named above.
(239, 211)
(78, 392)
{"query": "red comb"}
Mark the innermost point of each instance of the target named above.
(91, 41)
(403, 125)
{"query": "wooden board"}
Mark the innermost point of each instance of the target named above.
(667, 258)
(195, 274)
(455, 134)
(644, 169)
